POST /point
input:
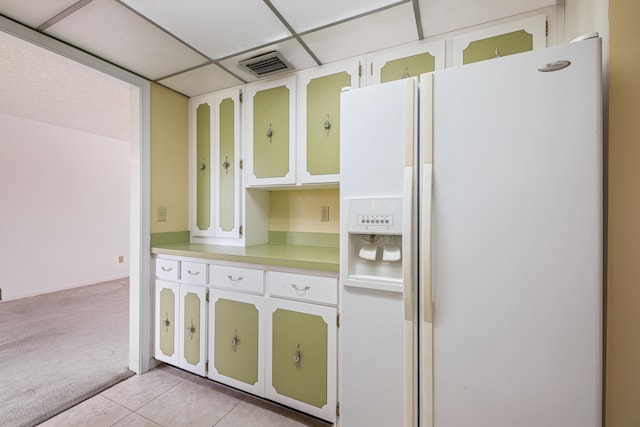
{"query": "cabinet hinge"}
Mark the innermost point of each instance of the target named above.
(338, 320)
(241, 164)
(241, 230)
(337, 409)
(241, 97)
(546, 28)
(359, 70)
(206, 366)
(371, 71)
(207, 298)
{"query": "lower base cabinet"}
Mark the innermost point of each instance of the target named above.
(237, 340)
(301, 362)
(278, 342)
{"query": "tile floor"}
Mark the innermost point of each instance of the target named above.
(169, 397)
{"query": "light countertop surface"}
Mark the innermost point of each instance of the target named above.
(280, 255)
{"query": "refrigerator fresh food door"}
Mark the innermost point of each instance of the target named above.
(517, 241)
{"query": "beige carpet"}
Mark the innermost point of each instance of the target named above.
(58, 349)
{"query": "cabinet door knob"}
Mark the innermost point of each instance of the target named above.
(297, 357)
(166, 323)
(235, 340)
(269, 133)
(191, 329)
(327, 125)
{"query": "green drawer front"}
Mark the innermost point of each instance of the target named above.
(167, 322)
(192, 328)
(323, 123)
(271, 113)
(502, 45)
(203, 178)
(305, 380)
(410, 66)
(236, 322)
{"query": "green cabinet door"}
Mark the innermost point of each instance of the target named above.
(236, 331)
(409, 66)
(299, 356)
(193, 324)
(497, 46)
(323, 123)
(271, 132)
(227, 165)
(203, 167)
(166, 346)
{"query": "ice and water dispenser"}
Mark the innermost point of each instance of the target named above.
(374, 238)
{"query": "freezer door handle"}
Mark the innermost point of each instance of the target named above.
(425, 250)
(407, 252)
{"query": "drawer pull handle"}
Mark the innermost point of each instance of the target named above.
(193, 273)
(166, 268)
(166, 322)
(300, 291)
(297, 357)
(235, 340)
(236, 280)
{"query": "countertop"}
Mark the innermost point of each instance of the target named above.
(280, 255)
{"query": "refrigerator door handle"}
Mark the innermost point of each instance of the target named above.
(407, 253)
(425, 250)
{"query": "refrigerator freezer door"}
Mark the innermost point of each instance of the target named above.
(517, 241)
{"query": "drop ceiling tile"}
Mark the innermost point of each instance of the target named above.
(216, 28)
(378, 31)
(292, 51)
(209, 78)
(465, 13)
(109, 30)
(33, 13)
(41, 85)
(304, 15)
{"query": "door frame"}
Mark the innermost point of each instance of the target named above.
(140, 292)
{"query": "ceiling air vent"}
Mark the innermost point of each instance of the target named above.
(266, 64)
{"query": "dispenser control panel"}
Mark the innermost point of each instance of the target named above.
(383, 220)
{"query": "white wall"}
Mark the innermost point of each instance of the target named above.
(64, 210)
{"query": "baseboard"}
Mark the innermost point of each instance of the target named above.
(65, 287)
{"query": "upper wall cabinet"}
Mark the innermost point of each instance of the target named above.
(502, 40)
(215, 183)
(319, 120)
(270, 132)
(410, 61)
(200, 160)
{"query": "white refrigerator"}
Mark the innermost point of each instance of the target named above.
(471, 245)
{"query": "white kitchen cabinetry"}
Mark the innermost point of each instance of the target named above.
(181, 314)
(318, 124)
(237, 328)
(409, 61)
(271, 132)
(301, 343)
(215, 173)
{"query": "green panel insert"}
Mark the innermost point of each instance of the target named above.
(236, 340)
(502, 45)
(203, 154)
(167, 320)
(410, 66)
(191, 327)
(226, 201)
(300, 356)
(323, 123)
(271, 132)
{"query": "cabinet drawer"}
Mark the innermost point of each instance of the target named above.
(167, 269)
(237, 279)
(303, 287)
(194, 273)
